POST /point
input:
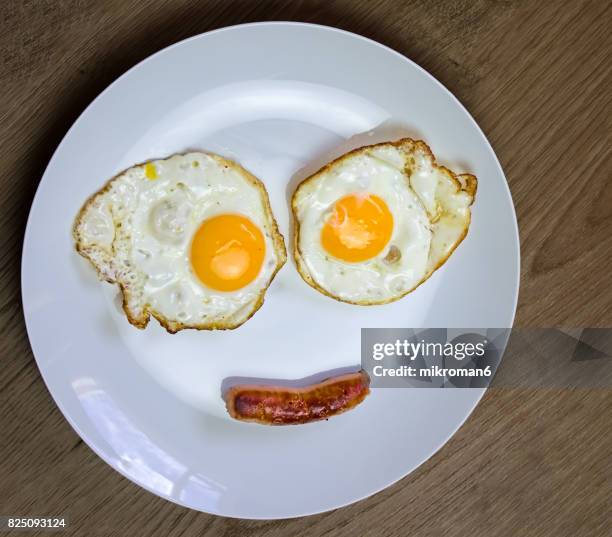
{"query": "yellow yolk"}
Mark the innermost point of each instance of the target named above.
(150, 171)
(358, 229)
(227, 252)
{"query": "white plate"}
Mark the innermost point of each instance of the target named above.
(276, 97)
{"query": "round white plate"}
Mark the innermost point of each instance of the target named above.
(281, 99)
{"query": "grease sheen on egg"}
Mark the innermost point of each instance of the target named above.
(190, 240)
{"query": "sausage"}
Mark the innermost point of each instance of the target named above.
(280, 405)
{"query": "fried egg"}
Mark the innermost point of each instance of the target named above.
(190, 240)
(377, 222)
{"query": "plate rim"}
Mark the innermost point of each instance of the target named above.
(116, 81)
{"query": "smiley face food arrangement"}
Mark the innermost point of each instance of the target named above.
(375, 223)
(191, 241)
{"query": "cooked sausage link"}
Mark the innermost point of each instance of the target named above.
(278, 405)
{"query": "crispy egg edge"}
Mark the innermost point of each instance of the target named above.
(465, 182)
(171, 326)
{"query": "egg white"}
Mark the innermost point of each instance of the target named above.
(138, 230)
(431, 214)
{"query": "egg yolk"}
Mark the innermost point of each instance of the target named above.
(150, 171)
(358, 229)
(227, 252)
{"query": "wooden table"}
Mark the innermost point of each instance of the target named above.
(535, 75)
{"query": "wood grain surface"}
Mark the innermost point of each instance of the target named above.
(535, 75)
